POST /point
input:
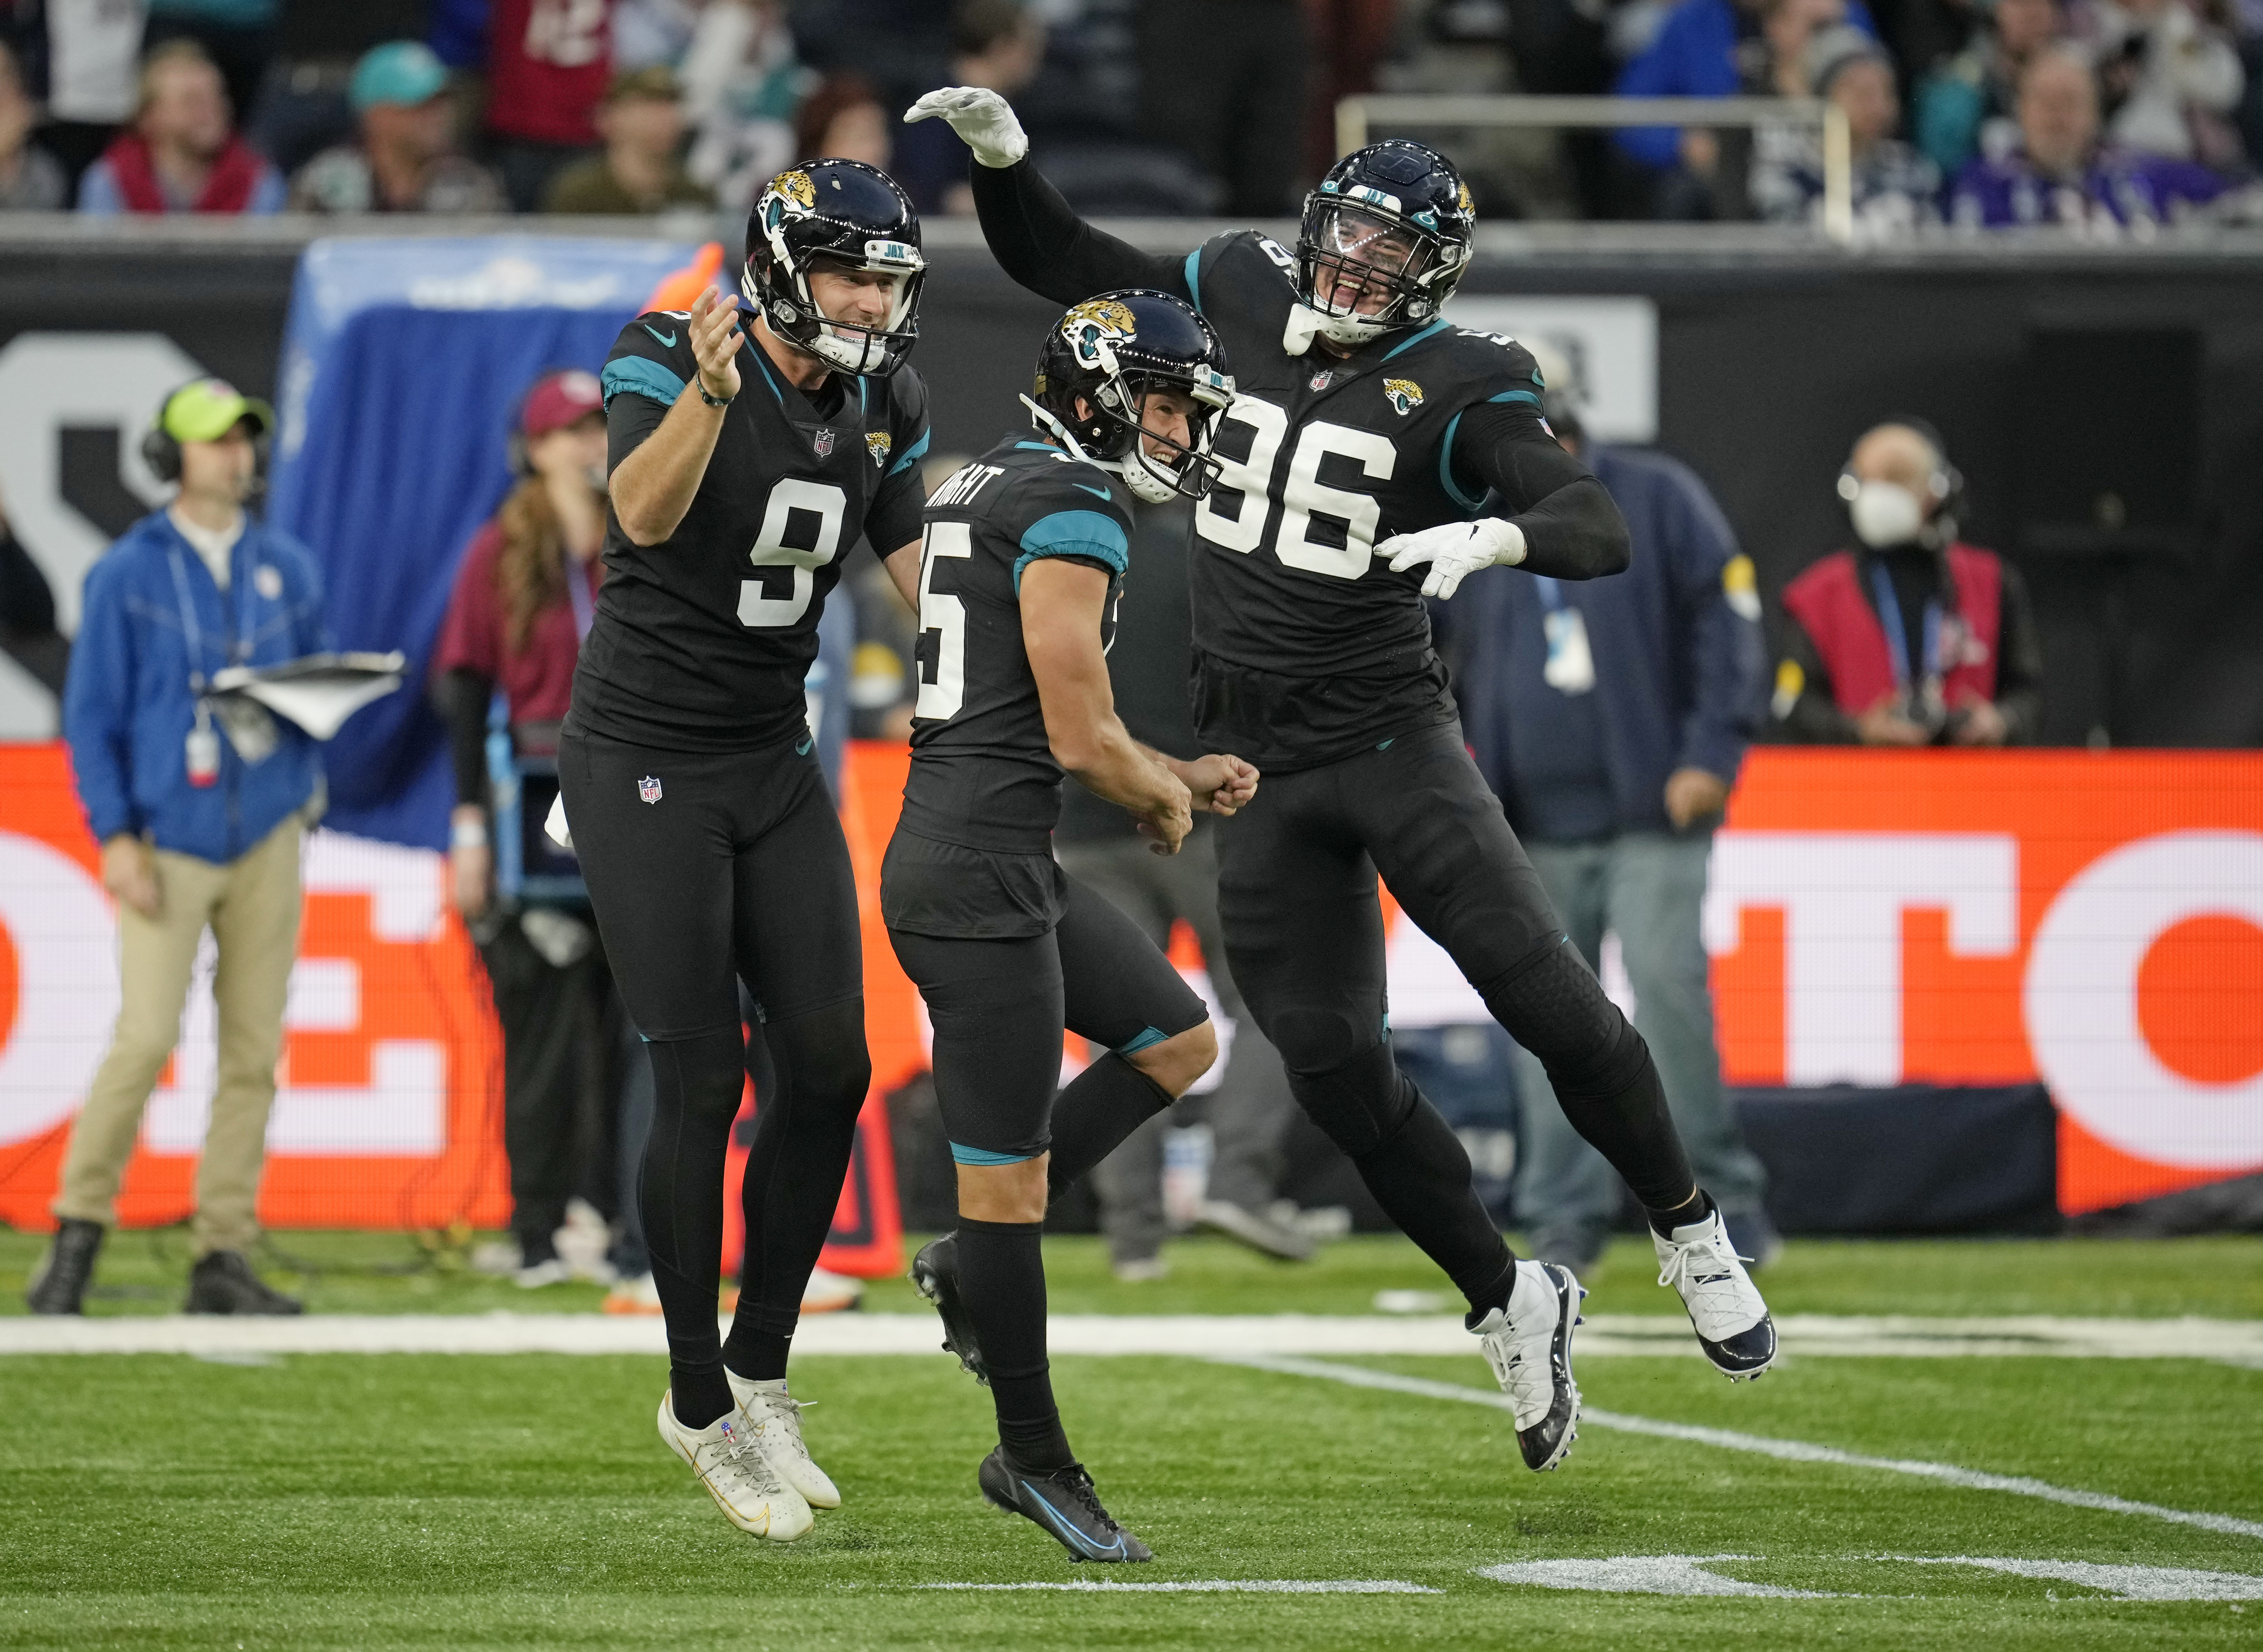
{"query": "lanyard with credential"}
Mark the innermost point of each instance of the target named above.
(1890, 618)
(200, 751)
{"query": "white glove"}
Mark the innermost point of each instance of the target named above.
(981, 117)
(1455, 551)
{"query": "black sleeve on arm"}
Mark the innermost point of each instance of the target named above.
(2020, 662)
(1573, 529)
(1037, 239)
(462, 697)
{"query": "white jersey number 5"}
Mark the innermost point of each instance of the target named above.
(944, 615)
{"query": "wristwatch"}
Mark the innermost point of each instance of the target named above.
(700, 384)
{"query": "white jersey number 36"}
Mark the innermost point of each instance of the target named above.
(1302, 494)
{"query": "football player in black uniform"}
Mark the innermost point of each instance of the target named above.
(1015, 583)
(749, 449)
(1376, 454)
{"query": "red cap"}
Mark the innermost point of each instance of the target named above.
(559, 399)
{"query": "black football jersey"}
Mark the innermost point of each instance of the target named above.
(982, 771)
(1306, 647)
(700, 642)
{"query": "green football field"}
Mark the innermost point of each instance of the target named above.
(524, 1500)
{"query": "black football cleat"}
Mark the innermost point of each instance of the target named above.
(934, 1275)
(58, 1286)
(1065, 1504)
(222, 1282)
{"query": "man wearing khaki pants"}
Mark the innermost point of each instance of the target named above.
(200, 806)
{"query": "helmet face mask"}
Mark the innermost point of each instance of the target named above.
(1097, 371)
(1385, 241)
(835, 216)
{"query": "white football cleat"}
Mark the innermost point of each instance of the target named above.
(829, 1293)
(1732, 1322)
(1529, 1345)
(773, 1416)
(731, 1464)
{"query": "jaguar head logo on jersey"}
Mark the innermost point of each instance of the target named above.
(1403, 394)
(648, 789)
(832, 217)
(1385, 241)
(1134, 382)
(877, 443)
(821, 440)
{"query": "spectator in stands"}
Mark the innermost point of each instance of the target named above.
(181, 153)
(1913, 638)
(1612, 717)
(997, 44)
(2171, 80)
(1896, 189)
(641, 167)
(548, 67)
(31, 179)
(741, 83)
(525, 593)
(93, 55)
(842, 121)
(2061, 175)
(238, 35)
(196, 833)
(402, 163)
(650, 32)
(1965, 106)
(1718, 49)
(1225, 80)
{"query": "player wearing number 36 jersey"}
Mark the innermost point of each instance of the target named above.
(1376, 454)
(749, 450)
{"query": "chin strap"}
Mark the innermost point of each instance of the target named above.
(1047, 424)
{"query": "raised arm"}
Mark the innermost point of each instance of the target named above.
(1037, 237)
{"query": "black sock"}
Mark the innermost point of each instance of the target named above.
(1001, 1280)
(1103, 1104)
(1420, 1176)
(1696, 1207)
(808, 1098)
(695, 1086)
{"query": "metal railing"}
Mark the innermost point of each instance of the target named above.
(1356, 118)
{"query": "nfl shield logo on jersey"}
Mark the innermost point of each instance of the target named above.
(648, 789)
(1321, 378)
(822, 441)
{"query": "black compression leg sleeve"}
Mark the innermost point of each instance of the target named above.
(1600, 1068)
(696, 1083)
(1105, 1104)
(804, 1132)
(1001, 1280)
(1416, 1166)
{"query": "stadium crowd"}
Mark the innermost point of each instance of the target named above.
(2106, 116)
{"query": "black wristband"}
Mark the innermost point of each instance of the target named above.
(700, 385)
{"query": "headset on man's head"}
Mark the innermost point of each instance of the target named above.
(161, 448)
(1944, 484)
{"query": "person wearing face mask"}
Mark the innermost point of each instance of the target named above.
(1913, 638)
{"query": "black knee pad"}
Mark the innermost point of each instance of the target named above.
(699, 1079)
(1360, 1105)
(1553, 1005)
(826, 1054)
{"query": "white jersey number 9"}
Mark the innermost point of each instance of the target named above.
(821, 499)
(945, 616)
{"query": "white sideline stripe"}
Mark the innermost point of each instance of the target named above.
(1218, 1586)
(1761, 1445)
(1203, 1334)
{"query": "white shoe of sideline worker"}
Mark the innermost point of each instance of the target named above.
(830, 1293)
(636, 1295)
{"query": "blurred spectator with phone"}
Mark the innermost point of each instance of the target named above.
(1913, 638)
(181, 153)
(401, 161)
(525, 595)
(200, 811)
(1611, 718)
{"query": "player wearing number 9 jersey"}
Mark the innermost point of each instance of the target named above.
(1376, 454)
(749, 450)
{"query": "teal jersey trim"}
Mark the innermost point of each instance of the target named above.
(1145, 1039)
(1086, 533)
(1035, 447)
(1194, 278)
(766, 379)
(984, 1155)
(1446, 468)
(1437, 327)
(639, 375)
(1515, 396)
(912, 455)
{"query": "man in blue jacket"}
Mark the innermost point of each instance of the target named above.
(1611, 718)
(198, 806)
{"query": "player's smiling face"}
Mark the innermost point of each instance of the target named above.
(862, 298)
(1167, 415)
(1363, 253)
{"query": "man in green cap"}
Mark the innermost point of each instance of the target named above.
(404, 160)
(199, 807)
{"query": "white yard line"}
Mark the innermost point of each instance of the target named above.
(1607, 1335)
(1216, 1586)
(1761, 1445)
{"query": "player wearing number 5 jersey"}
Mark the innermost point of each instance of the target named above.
(748, 451)
(1376, 454)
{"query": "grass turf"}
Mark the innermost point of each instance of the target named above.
(145, 1272)
(425, 1501)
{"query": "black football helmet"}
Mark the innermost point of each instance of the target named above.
(852, 216)
(1394, 217)
(1111, 351)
